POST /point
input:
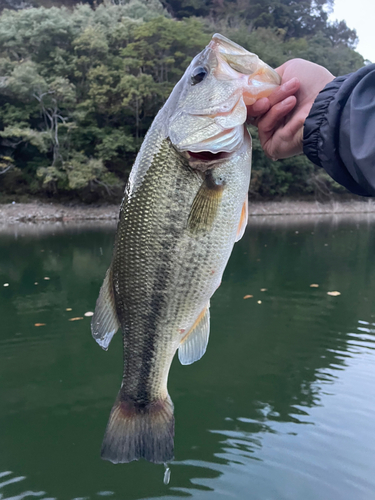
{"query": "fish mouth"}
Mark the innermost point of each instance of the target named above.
(241, 60)
(206, 160)
(233, 61)
(201, 161)
(207, 156)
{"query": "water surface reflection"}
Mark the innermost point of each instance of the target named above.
(281, 406)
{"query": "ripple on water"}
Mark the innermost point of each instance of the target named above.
(13, 480)
(283, 459)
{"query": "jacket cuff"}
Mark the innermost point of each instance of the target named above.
(316, 118)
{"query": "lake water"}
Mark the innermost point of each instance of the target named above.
(281, 406)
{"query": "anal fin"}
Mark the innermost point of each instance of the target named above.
(194, 344)
(105, 323)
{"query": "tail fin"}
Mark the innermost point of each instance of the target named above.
(137, 431)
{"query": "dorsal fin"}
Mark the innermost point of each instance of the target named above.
(194, 344)
(105, 323)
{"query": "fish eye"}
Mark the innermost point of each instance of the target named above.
(199, 74)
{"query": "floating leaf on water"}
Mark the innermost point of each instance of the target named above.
(40, 324)
(333, 294)
(88, 314)
(259, 302)
(6, 284)
(314, 285)
(68, 309)
(248, 296)
(76, 319)
(263, 289)
(46, 278)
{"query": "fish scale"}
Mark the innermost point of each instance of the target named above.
(145, 281)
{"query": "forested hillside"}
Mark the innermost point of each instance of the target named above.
(80, 85)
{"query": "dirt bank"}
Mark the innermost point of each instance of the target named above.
(35, 212)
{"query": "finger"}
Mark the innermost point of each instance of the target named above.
(281, 93)
(285, 90)
(258, 108)
(270, 120)
(270, 126)
(284, 145)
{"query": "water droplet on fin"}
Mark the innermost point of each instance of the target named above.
(167, 474)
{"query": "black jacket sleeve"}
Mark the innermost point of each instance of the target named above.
(339, 133)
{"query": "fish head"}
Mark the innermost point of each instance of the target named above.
(208, 106)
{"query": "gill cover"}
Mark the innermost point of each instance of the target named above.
(210, 110)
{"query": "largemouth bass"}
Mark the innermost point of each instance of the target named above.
(185, 205)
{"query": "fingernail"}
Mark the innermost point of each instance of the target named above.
(260, 104)
(287, 101)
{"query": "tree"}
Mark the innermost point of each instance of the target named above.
(80, 87)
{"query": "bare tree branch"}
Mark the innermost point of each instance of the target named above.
(4, 170)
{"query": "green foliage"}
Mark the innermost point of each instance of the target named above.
(77, 174)
(114, 144)
(272, 46)
(296, 18)
(293, 177)
(17, 134)
(52, 177)
(71, 106)
(81, 171)
(79, 87)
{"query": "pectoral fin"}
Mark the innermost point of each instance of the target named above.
(243, 220)
(194, 344)
(205, 205)
(105, 323)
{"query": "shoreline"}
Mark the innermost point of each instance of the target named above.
(37, 212)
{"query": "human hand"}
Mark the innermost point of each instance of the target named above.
(281, 116)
